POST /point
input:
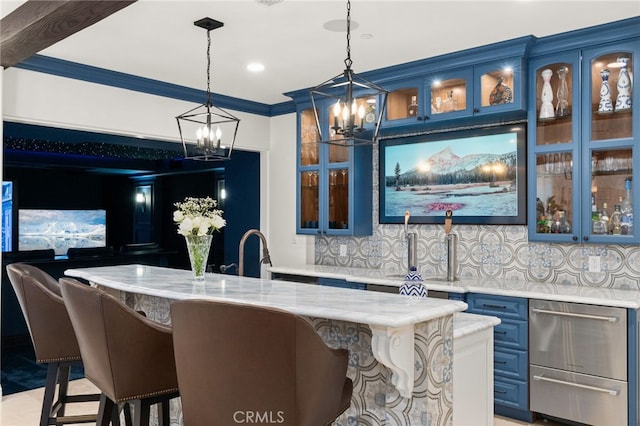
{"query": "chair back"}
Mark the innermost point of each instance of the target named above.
(126, 355)
(242, 364)
(45, 313)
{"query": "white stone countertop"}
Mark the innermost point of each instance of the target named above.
(465, 323)
(501, 287)
(373, 308)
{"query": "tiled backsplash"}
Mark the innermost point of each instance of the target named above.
(500, 251)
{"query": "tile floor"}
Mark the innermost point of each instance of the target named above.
(23, 408)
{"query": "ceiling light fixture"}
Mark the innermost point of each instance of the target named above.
(356, 119)
(203, 128)
(268, 2)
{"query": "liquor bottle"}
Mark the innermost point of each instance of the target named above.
(626, 208)
(561, 225)
(595, 220)
(615, 223)
(450, 104)
(604, 219)
(413, 107)
(565, 225)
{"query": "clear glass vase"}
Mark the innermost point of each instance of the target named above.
(198, 247)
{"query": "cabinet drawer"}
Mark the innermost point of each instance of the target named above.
(500, 306)
(511, 393)
(579, 397)
(334, 282)
(511, 334)
(511, 363)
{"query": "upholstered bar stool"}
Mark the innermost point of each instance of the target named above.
(127, 356)
(53, 338)
(247, 364)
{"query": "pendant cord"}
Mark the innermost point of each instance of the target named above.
(208, 69)
(348, 62)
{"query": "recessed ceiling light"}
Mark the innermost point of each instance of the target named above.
(366, 36)
(255, 67)
(268, 2)
(339, 25)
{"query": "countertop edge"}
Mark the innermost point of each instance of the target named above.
(465, 323)
(628, 299)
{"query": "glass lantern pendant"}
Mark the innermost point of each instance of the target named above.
(349, 97)
(207, 132)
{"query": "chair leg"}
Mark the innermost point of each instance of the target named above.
(106, 411)
(141, 413)
(64, 372)
(163, 413)
(49, 393)
(128, 420)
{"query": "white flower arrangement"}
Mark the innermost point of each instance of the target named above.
(198, 216)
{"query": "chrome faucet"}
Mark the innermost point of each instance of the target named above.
(412, 244)
(265, 250)
(451, 244)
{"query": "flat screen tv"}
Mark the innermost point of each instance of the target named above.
(478, 174)
(40, 229)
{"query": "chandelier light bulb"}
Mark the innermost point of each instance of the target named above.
(336, 109)
(345, 113)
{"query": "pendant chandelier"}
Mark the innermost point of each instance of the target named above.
(207, 132)
(356, 104)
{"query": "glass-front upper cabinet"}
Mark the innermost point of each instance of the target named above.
(554, 149)
(329, 172)
(499, 87)
(457, 93)
(308, 171)
(582, 147)
(449, 95)
(404, 102)
(610, 131)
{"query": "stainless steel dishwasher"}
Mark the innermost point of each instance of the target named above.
(578, 362)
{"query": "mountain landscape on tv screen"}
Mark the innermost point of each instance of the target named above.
(61, 229)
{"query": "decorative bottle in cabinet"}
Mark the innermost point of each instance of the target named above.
(562, 108)
(413, 107)
(546, 109)
(605, 105)
(615, 223)
(626, 208)
(623, 100)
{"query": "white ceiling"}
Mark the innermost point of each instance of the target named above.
(157, 39)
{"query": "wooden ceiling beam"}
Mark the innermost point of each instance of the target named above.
(37, 24)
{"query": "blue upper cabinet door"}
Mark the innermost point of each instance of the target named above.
(404, 102)
(308, 172)
(499, 86)
(555, 150)
(448, 95)
(334, 182)
(611, 131)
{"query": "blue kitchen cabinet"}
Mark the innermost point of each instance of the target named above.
(468, 84)
(581, 146)
(511, 357)
(334, 183)
(335, 282)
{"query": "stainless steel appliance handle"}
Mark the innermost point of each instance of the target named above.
(573, 314)
(578, 385)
